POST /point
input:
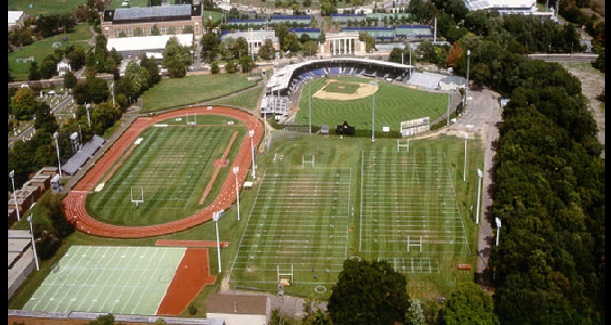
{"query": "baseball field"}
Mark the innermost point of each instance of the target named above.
(338, 99)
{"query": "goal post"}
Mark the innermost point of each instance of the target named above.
(139, 199)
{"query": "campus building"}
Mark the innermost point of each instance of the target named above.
(16, 19)
(342, 44)
(147, 21)
(255, 39)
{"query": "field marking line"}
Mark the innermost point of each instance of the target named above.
(57, 305)
(457, 207)
(361, 208)
(96, 251)
(218, 168)
(134, 271)
(108, 278)
(119, 276)
(143, 291)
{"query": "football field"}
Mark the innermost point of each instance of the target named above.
(167, 168)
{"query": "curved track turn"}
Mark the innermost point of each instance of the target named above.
(74, 203)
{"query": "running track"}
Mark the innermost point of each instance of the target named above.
(74, 203)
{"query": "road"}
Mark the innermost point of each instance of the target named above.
(482, 117)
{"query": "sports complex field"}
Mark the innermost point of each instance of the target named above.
(118, 280)
(393, 104)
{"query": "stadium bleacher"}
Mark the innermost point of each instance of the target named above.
(87, 151)
(334, 70)
(318, 72)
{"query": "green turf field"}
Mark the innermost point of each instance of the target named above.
(40, 49)
(118, 280)
(172, 167)
(394, 195)
(393, 104)
(247, 99)
(173, 92)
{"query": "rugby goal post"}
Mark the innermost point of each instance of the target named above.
(311, 162)
(139, 199)
(414, 244)
(400, 145)
(191, 121)
(283, 274)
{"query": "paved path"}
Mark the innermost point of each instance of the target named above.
(482, 116)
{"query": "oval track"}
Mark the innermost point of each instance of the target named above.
(74, 203)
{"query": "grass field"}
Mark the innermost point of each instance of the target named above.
(393, 104)
(341, 88)
(247, 99)
(40, 49)
(119, 280)
(45, 6)
(172, 166)
(172, 92)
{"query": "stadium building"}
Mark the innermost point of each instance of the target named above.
(144, 20)
(503, 6)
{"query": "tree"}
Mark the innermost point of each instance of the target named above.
(291, 43)
(266, 51)
(370, 41)
(415, 315)
(241, 48)
(34, 71)
(247, 63)
(175, 58)
(469, 304)
(368, 293)
(47, 68)
(210, 44)
(69, 80)
(395, 55)
(310, 48)
(214, 67)
(105, 320)
(230, 67)
(281, 31)
(77, 58)
(93, 90)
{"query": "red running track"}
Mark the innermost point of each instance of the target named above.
(74, 203)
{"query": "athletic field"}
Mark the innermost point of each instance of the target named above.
(299, 224)
(393, 104)
(118, 280)
(169, 168)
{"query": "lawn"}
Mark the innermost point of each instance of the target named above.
(45, 6)
(393, 104)
(40, 49)
(171, 168)
(173, 92)
(247, 99)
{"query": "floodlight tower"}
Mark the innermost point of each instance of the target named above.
(112, 86)
(12, 175)
(498, 230)
(373, 111)
(33, 244)
(215, 217)
(236, 169)
(464, 174)
(480, 175)
(88, 119)
(310, 106)
(56, 135)
(467, 85)
(251, 133)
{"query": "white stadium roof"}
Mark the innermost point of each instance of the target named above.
(123, 44)
(281, 79)
(525, 5)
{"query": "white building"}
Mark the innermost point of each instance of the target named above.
(63, 66)
(239, 309)
(133, 47)
(255, 39)
(16, 19)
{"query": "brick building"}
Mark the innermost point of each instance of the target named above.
(147, 21)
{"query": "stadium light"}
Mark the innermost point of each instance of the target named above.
(88, 119)
(448, 113)
(480, 175)
(498, 230)
(251, 133)
(464, 174)
(236, 169)
(216, 216)
(56, 135)
(373, 111)
(112, 86)
(12, 175)
(310, 106)
(33, 244)
(467, 85)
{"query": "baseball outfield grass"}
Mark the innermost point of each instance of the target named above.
(393, 104)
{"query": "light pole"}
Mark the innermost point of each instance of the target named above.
(310, 106)
(112, 86)
(448, 117)
(498, 230)
(480, 175)
(12, 175)
(215, 217)
(464, 174)
(33, 244)
(236, 169)
(467, 85)
(251, 133)
(373, 111)
(56, 135)
(88, 119)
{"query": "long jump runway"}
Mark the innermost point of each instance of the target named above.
(74, 203)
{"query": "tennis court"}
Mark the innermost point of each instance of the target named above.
(118, 280)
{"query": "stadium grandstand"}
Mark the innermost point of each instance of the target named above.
(291, 20)
(87, 151)
(286, 80)
(503, 6)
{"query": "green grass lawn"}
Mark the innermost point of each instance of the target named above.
(45, 6)
(393, 104)
(247, 99)
(40, 49)
(330, 152)
(172, 92)
(172, 166)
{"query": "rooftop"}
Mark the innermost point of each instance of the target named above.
(237, 304)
